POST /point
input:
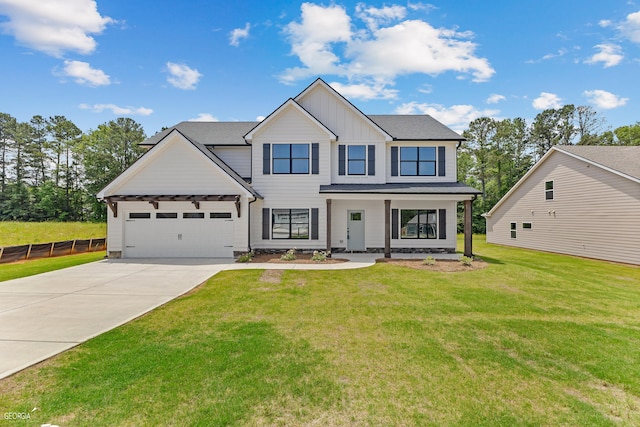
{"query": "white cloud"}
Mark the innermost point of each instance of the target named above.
(609, 55)
(630, 27)
(457, 117)
(326, 41)
(119, 111)
(605, 100)
(365, 91)
(204, 117)
(182, 77)
(54, 27)
(83, 74)
(260, 118)
(238, 34)
(374, 17)
(547, 100)
(604, 23)
(494, 98)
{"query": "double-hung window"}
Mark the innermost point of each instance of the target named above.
(290, 223)
(418, 224)
(418, 161)
(356, 159)
(291, 158)
(548, 190)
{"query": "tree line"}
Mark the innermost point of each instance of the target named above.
(51, 170)
(497, 153)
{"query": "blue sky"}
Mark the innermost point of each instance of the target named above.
(161, 62)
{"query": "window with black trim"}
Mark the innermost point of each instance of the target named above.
(418, 161)
(220, 215)
(526, 226)
(290, 158)
(548, 190)
(166, 215)
(418, 224)
(513, 230)
(139, 215)
(289, 223)
(193, 215)
(356, 159)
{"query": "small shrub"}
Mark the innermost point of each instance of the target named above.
(429, 260)
(465, 260)
(246, 257)
(290, 255)
(319, 256)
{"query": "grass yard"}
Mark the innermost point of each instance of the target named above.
(29, 268)
(23, 233)
(533, 339)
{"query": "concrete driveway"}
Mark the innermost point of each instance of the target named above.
(43, 315)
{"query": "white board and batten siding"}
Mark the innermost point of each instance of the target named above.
(594, 212)
(290, 191)
(339, 116)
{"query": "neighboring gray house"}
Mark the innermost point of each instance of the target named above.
(317, 173)
(577, 200)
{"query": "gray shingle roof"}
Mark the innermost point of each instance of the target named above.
(209, 133)
(624, 159)
(400, 127)
(415, 127)
(401, 188)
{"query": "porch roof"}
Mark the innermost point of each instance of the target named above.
(455, 188)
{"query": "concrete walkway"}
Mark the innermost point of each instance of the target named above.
(46, 314)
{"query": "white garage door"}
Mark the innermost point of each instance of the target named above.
(175, 234)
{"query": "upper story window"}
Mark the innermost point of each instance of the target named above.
(356, 159)
(291, 158)
(418, 161)
(548, 190)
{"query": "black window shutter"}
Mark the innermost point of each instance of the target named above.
(441, 161)
(442, 224)
(314, 223)
(371, 160)
(394, 161)
(266, 223)
(266, 159)
(341, 159)
(315, 158)
(394, 223)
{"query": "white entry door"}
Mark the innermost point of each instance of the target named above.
(355, 231)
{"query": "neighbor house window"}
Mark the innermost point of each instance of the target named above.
(548, 190)
(291, 158)
(418, 224)
(418, 161)
(356, 159)
(290, 223)
(513, 230)
(526, 226)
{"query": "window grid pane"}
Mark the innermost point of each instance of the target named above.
(418, 224)
(290, 158)
(290, 223)
(418, 161)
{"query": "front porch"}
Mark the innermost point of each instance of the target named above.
(399, 218)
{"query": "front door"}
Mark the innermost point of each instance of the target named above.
(355, 231)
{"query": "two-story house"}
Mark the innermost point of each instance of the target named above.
(317, 173)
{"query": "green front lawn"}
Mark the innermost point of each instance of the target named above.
(534, 339)
(29, 268)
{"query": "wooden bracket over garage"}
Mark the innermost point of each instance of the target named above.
(112, 201)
